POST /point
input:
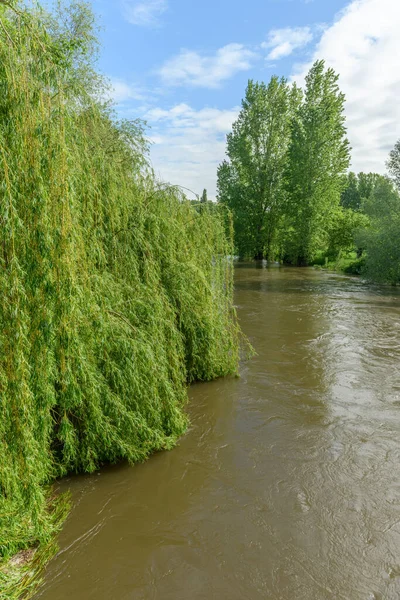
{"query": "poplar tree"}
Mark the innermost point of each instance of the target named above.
(319, 156)
(251, 182)
(393, 164)
(204, 198)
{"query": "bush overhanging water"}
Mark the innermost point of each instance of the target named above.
(115, 291)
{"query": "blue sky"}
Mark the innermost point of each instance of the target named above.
(183, 66)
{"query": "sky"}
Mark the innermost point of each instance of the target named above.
(183, 67)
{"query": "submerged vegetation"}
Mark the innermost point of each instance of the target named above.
(115, 291)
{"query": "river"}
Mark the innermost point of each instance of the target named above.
(286, 486)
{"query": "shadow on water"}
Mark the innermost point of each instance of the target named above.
(287, 484)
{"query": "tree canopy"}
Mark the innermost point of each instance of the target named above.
(287, 183)
(252, 182)
(288, 154)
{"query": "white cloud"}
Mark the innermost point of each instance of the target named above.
(190, 68)
(121, 91)
(283, 42)
(146, 13)
(363, 46)
(189, 144)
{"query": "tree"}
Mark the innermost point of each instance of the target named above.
(343, 224)
(115, 292)
(204, 198)
(251, 183)
(318, 158)
(351, 197)
(381, 239)
(358, 189)
(393, 164)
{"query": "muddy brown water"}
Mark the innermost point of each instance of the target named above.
(287, 485)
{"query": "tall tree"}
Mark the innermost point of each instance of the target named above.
(204, 198)
(319, 156)
(251, 183)
(393, 164)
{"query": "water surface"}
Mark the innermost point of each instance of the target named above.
(287, 485)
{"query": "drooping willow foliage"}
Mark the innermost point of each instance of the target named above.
(114, 291)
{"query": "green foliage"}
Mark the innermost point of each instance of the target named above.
(345, 261)
(355, 266)
(358, 189)
(286, 171)
(369, 222)
(351, 197)
(318, 159)
(287, 186)
(204, 198)
(393, 164)
(381, 239)
(343, 223)
(116, 292)
(251, 184)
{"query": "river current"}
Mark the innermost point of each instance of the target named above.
(287, 484)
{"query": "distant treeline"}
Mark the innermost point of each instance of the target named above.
(287, 185)
(115, 292)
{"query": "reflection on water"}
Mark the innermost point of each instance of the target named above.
(286, 487)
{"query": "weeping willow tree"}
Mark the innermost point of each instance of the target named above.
(115, 292)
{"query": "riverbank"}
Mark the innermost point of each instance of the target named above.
(347, 262)
(22, 574)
